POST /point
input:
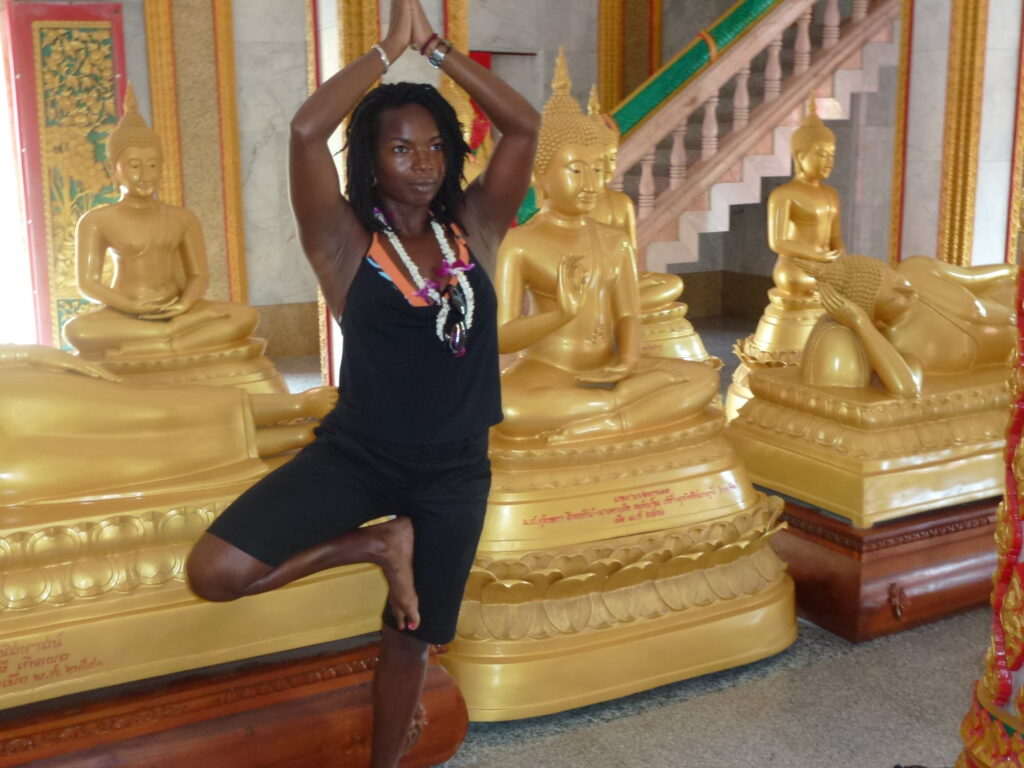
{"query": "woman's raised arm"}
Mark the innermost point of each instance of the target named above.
(328, 228)
(495, 196)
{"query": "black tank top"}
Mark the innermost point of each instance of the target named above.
(398, 381)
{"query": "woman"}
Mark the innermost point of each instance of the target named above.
(420, 370)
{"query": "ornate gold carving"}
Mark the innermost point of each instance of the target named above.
(163, 94)
(991, 737)
(544, 594)
(223, 31)
(899, 159)
(1016, 217)
(312, 49)
(609, 52)
(962, 134)
(77, 109)
(358, 28)
(109, 557)
(876, 430)
(456, 23)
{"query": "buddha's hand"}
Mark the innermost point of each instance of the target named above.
(169, 310)
(421, 29)
(571, 282)
(610, 374)
(841, 309)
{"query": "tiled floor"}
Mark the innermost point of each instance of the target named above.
(822, 702)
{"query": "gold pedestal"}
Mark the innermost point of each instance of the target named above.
(868, 456)
(92, 594)
(667, 333)
(778, 341)
(611, 567)
(241, 365)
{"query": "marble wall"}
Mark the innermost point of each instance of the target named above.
(524, 37)
(925, 118)
(680, 22)
(270, 61)
(995, 152)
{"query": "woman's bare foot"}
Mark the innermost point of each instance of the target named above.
(396, 562)
(318, 402)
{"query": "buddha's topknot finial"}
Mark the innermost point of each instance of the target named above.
(812, 130)
(605, 125)
(131, 131)
(563, 121)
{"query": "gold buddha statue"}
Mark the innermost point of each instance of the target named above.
(898, 404)
(105, 488)
(473, 123)
(616, 501)
(665, 330)
(581, 373)
(74, 431)
(154, 325)
(803, 223)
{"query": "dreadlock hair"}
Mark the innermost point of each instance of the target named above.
(361, 143)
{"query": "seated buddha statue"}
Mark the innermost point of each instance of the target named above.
(898, 404)
(73, 430)
(581, 371)
(153, 315)
(616, 501)
(803, 224)
(665, 329)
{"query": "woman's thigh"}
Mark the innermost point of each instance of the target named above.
(326, 491)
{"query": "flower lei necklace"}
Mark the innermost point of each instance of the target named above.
(431, 289)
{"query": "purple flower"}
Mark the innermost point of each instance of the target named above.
(455, 268)
(428, 287)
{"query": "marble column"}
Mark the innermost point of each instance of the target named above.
(998, 118)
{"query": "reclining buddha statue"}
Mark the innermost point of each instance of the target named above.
(803, 224)
(616, 503)
(105, 488)
(898, 404)
(154, 325)
(73, 431)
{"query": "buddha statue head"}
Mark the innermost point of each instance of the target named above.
(882, 292)
(609, 131)
(568, 170)
(814, 146)
(134, 154)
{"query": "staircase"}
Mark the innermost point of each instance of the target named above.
(705, 148)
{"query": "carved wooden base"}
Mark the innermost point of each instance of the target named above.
(293, 714)
(864, 583)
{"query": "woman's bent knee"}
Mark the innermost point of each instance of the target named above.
(219, 572)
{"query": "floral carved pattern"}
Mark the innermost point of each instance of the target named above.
(75, 92)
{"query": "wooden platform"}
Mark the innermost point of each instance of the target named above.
(295, 714)
(865, 583)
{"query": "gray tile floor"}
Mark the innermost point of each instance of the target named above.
(822, 702)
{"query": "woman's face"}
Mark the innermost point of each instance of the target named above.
(409, 158)
(895, 297)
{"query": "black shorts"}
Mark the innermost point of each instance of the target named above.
(340, 481)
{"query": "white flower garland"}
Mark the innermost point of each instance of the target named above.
(429, 289)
